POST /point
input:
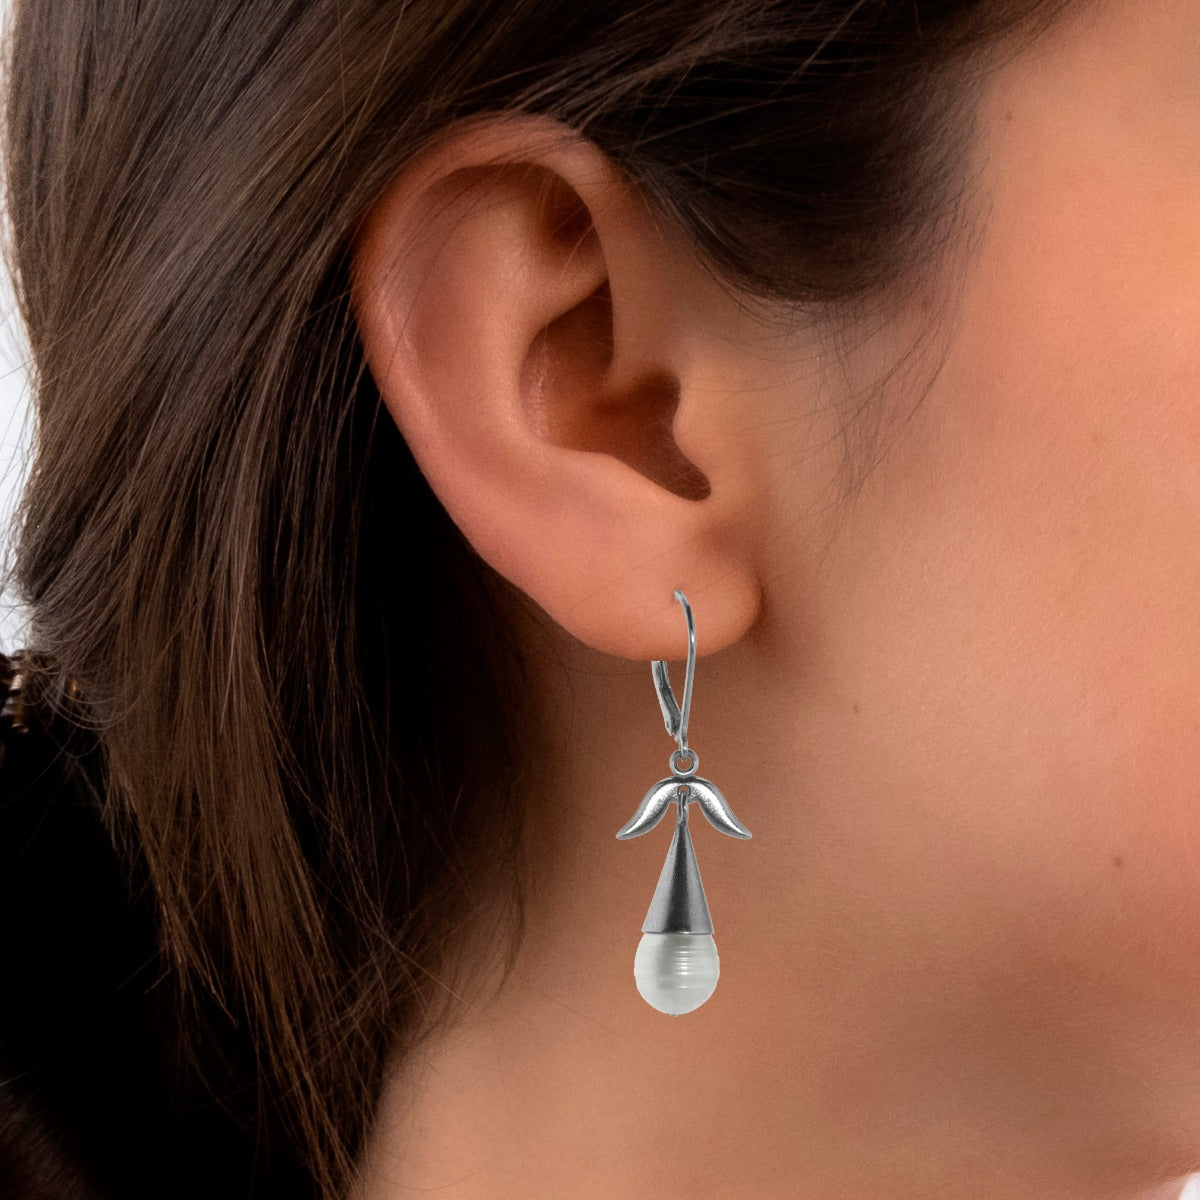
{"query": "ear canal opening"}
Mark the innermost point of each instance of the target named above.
(664, 462)
(567, 402)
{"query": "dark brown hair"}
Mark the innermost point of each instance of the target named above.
(312, 718)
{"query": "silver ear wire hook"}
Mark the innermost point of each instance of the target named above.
(675, 720)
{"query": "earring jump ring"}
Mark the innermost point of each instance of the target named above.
(693, 762)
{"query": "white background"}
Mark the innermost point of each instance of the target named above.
(16, 433)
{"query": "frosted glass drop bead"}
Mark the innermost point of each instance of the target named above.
(676, 972)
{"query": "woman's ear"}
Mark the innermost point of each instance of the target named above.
(526, 320)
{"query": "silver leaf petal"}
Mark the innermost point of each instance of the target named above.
(716, 808)
(654, 804)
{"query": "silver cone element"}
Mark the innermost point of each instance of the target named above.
(679, 904)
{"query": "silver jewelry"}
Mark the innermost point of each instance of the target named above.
(676, 965)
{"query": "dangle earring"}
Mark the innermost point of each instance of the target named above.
(676, 964)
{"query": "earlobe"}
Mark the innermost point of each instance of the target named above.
(517, 309)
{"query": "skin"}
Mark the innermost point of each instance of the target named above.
(959, 712)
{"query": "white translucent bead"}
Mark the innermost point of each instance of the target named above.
(676, 972)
